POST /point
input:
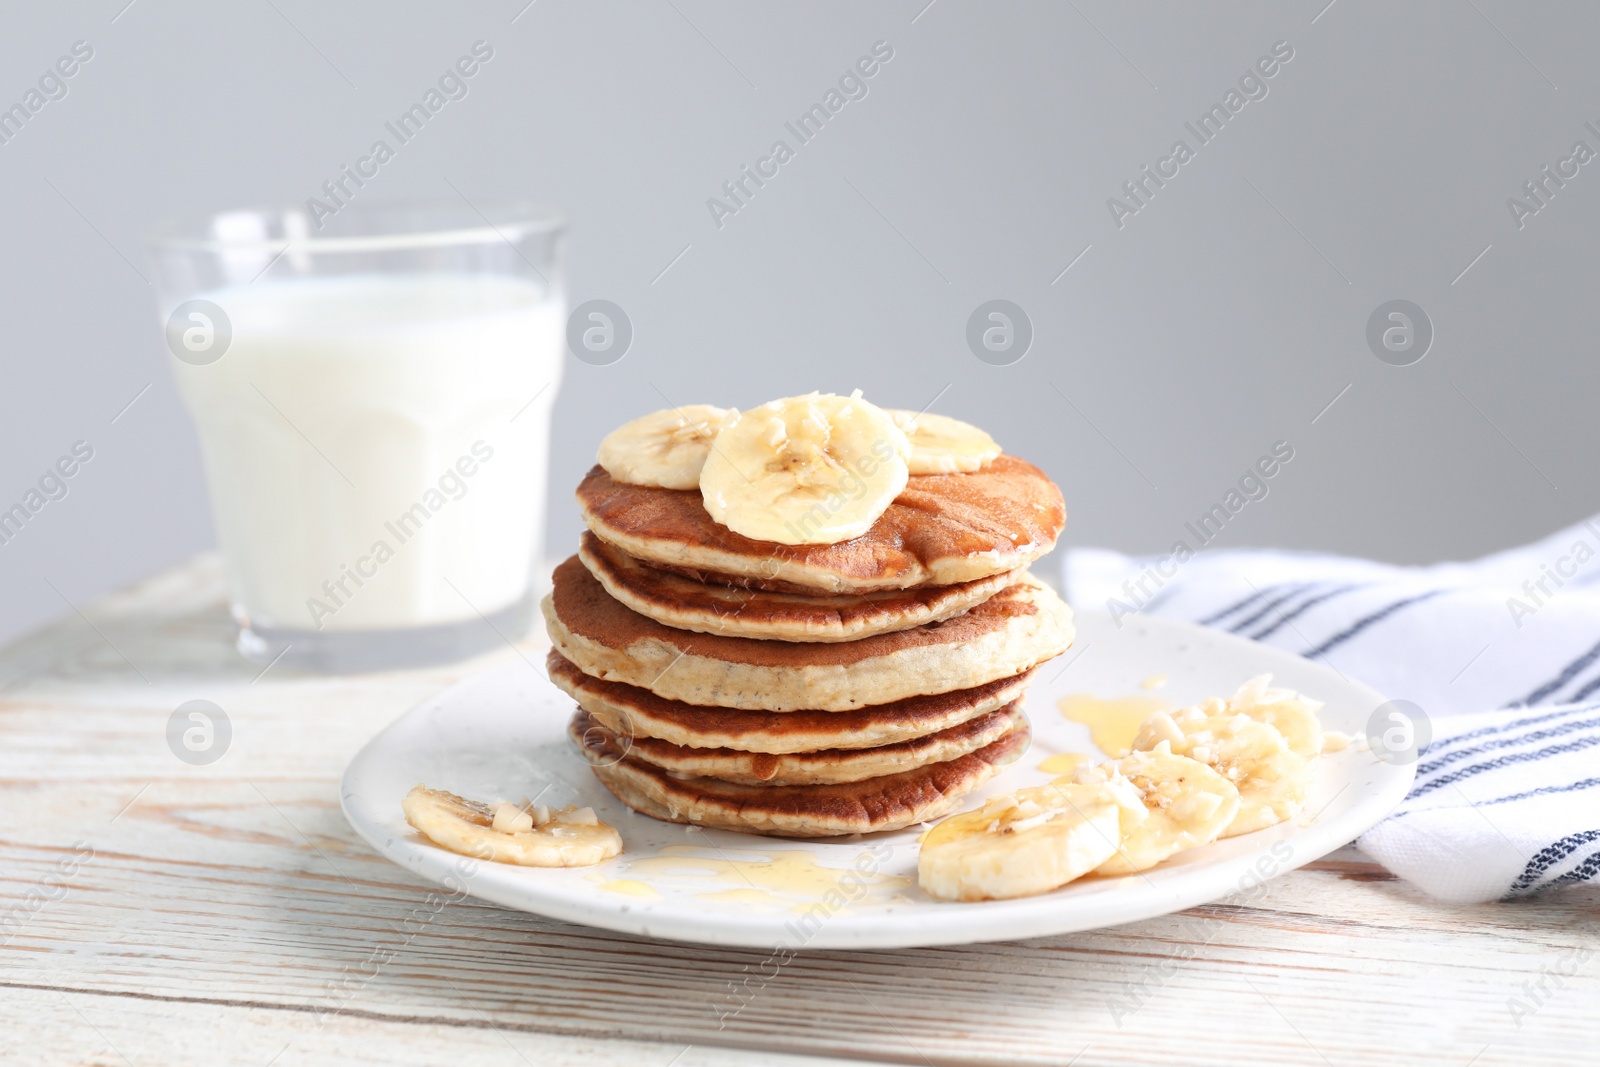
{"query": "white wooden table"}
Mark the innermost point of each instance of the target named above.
(161, 913)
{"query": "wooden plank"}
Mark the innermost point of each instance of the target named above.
(276, 901)
(235, 892)
(50, 1028)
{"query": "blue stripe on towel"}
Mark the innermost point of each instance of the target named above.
(1502, 761)
(1361, 624)
(1501, 727)
(1211, 620)
(1303, 608)
(1575, 787)
(1568, 673)
(1503, 742)
(1293, 592)
(1549, 856)
(1581, 873)
(1586, 690)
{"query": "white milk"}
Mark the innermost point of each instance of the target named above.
(376, 446)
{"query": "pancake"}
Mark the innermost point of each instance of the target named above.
(627, 709)
(943, 529)
(1017, 628)
(724, 609)
(823, 767)
(888, 803)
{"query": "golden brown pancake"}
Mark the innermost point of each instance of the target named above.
(755, 613)
(1019, 627)
(822, 767)
(943, 529)
(628, 709)
(888, 803)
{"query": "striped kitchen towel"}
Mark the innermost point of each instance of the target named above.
(1507, 801)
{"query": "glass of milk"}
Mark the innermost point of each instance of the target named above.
(372, 390)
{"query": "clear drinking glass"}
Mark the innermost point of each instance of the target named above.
(372, 392)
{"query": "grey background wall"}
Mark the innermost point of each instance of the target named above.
(1224, 315)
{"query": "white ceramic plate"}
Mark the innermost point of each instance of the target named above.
(501, 736)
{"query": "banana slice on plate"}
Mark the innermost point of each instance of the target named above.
(807, 470)
(1271, 778)
(666, 448)
(525, 834)
(1291, 714)
(942, 445)
(1167, 802)
(1027, 842)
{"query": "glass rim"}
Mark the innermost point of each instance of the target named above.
(521, 218)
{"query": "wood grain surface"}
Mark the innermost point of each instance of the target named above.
(156, 912)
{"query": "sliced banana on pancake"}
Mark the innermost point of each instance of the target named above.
(666, 448)
(806, 470)
(1027, 842)
(942, 445)
(1167, 802)
(1271, 778)
(525, 834)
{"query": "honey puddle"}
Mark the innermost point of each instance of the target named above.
(1063, 762)
(1155, 681)
(630, 887)
(774, 876)
(1113, 722)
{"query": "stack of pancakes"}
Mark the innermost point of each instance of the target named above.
(807, 690)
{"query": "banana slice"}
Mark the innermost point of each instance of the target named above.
(524, 834)
(1031, 841)
(1271, 779)
(1167, 802)
(808, 470)
(665, 448)
(1291, 714)
(942, 445)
